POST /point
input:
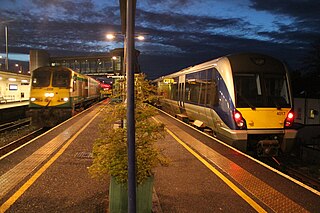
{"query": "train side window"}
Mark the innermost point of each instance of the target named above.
(203, 86)
(74, 83)
(174, 89)
(192, 88)
(212, 96)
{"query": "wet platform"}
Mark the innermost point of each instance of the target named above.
(50, 175)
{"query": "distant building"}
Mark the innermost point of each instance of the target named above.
(307, 111)
(98, 66)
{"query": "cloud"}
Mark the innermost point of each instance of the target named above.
(307, 9)
(179, 33)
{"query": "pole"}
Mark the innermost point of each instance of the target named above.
(7, 59)
(130, 109)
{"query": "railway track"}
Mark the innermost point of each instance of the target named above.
(14, 144)
(306, 179)
(14, 125)
(296, 169)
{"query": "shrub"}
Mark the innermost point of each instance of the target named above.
(110, 151)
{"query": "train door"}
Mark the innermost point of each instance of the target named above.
(181, 93)
(212, 101)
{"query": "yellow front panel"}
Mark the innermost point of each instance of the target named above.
(264, 118)
(56, 100)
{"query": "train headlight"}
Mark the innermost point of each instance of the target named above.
(65, 99)
(49, 94)
(33, 99)
(239, 120)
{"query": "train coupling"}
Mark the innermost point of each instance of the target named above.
(267, 148)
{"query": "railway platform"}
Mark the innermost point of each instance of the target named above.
(50, 174)
(12, 111)
(14, 104)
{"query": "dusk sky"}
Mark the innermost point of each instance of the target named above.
(179, 33)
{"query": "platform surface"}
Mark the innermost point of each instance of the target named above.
(51, 175)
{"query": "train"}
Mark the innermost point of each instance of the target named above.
(57, 93)
(243, 99)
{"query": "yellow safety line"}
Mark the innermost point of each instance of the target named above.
(244, 196)
(5, 206)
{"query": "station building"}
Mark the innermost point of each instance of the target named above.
(101, 67)
(14, 87)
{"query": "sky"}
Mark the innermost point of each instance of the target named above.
(178, 33)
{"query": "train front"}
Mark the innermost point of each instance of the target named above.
(263, 104)
(50, 101)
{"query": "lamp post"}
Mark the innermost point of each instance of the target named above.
(6, 38)
(7, 58)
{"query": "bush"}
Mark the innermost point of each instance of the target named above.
(110, 151)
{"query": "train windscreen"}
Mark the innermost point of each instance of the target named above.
(261, 90)
(41, 78)
(61, 78)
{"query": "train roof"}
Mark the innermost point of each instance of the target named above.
(65, 68)
(235, 58)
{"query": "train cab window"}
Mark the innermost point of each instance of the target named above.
(61, 78)
(276, 90)
(41, 78)
(261, 90)
(248, 90)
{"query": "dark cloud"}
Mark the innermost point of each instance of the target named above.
(182, 22)
(306, 9)
(175, 38)
(170, 3)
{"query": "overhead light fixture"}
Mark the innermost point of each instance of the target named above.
(110, 36)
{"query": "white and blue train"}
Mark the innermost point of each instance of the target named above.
(244, 99)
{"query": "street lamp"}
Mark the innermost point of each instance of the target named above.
(113, 35)
(140, 38)
(110, 36)
(6, 38)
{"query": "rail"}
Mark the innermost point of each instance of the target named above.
(14, 144)
(14, 125)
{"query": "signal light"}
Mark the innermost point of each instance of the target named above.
(240, 122)
(289, 119)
